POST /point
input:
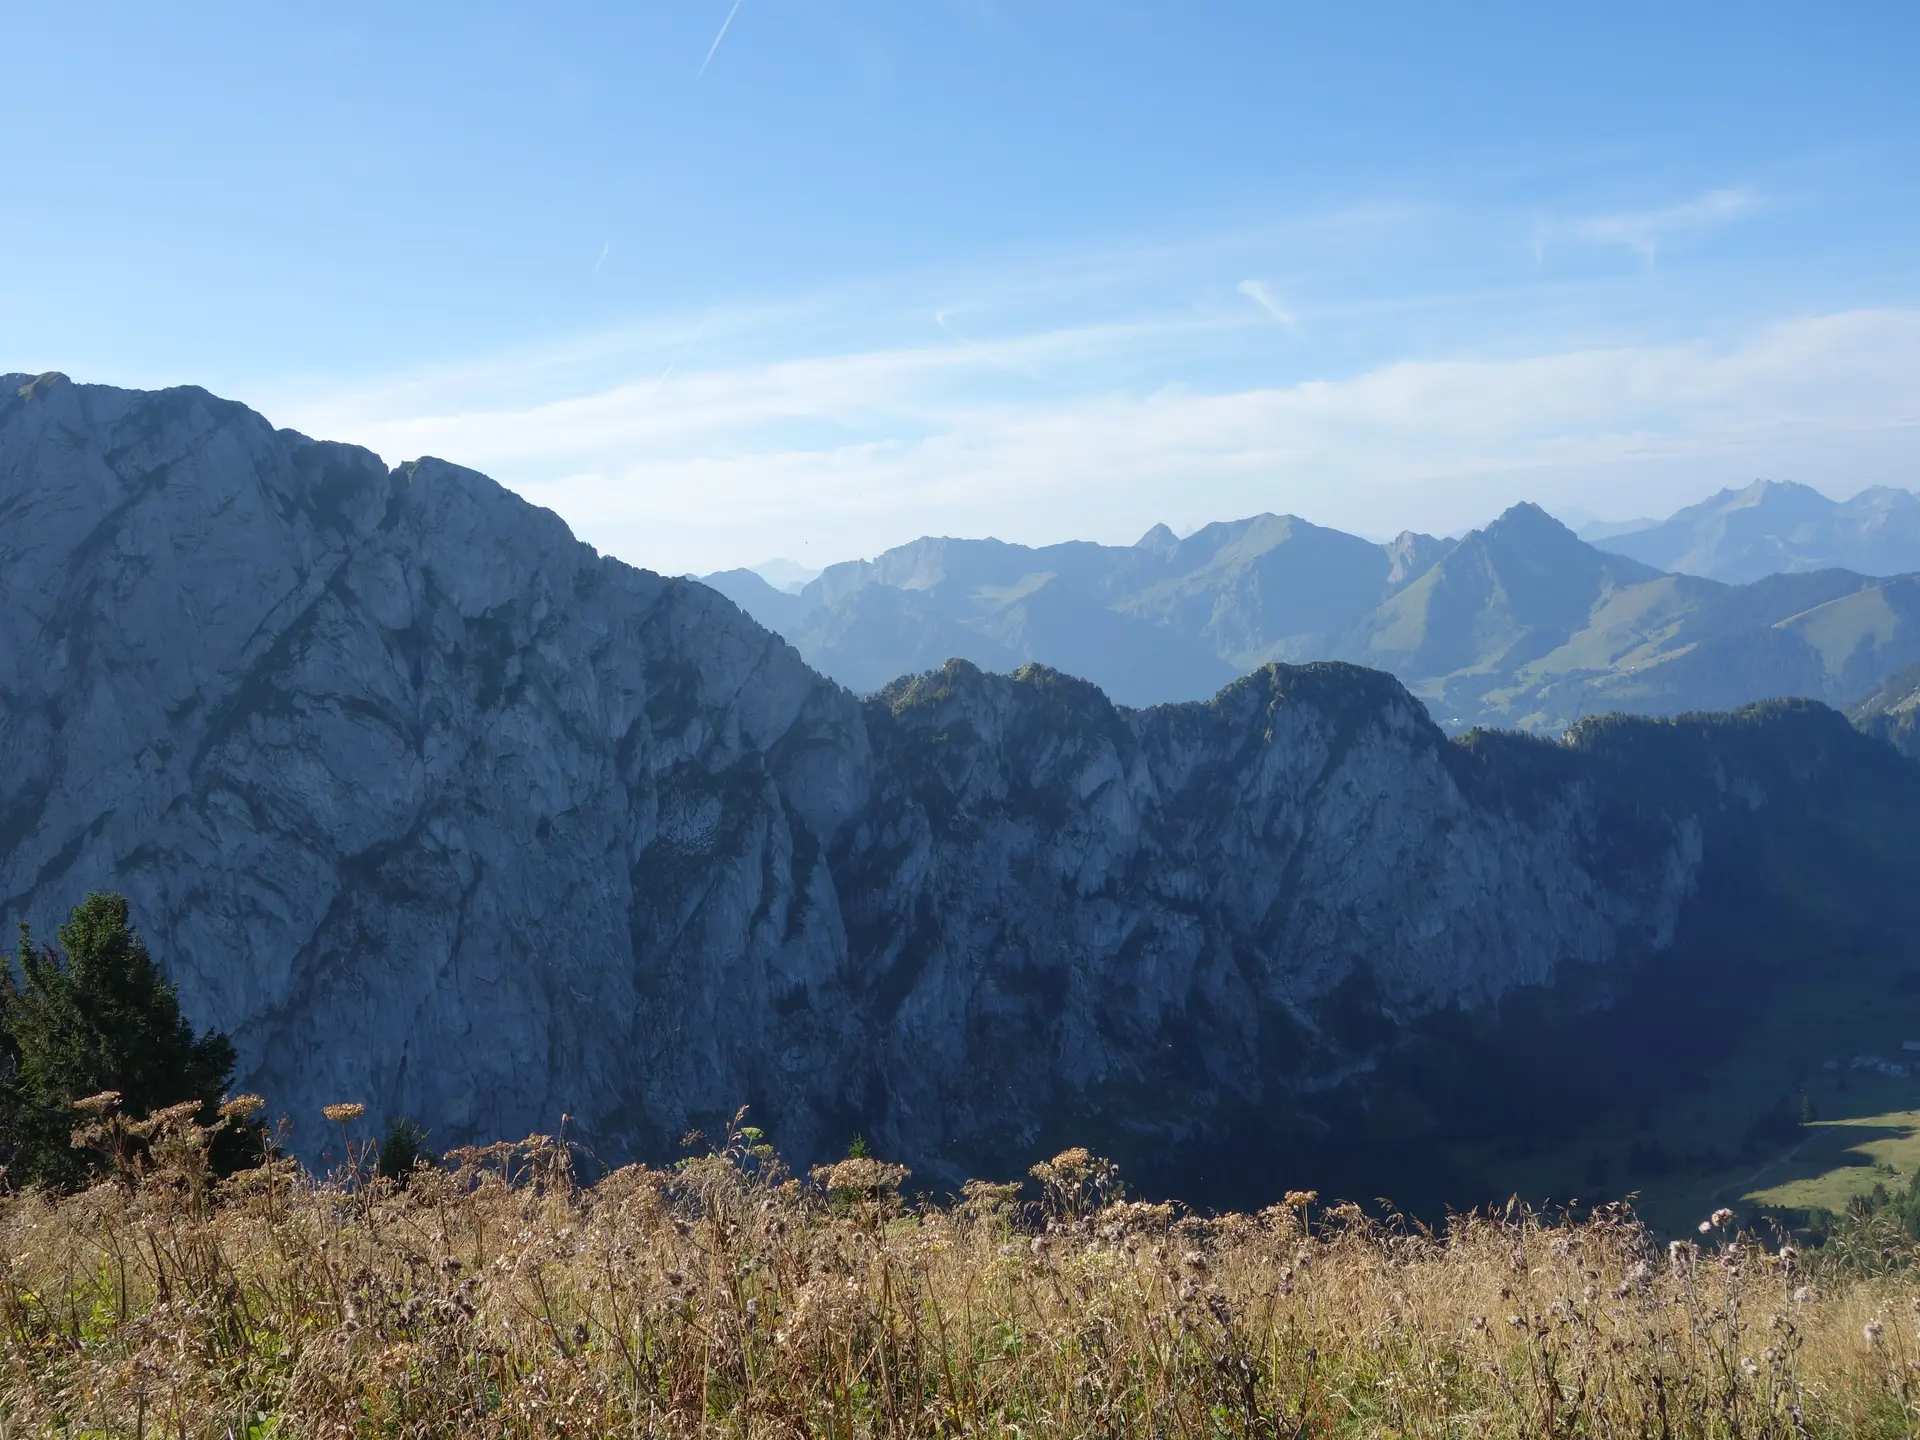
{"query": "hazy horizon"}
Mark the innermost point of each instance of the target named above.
(734, 281)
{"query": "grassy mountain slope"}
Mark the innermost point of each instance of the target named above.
(1526, 626)
(1891, 712)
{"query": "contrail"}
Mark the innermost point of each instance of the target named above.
(680, 354)
(605, 250)
(1258, 292)
(716, 40)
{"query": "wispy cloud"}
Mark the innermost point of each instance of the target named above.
(826, 456)
(674, 363)
(711, 49)
(1644, 231)
(1093, 394)
(1261, 294)
(606, 249)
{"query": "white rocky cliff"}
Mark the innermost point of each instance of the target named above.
(430, 806)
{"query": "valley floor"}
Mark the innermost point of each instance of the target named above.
(1813, 1107)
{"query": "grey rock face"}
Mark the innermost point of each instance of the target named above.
(430, 806)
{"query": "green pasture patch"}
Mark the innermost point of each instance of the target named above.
(1842, 1159)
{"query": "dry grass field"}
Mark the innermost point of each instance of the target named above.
(496, 1296)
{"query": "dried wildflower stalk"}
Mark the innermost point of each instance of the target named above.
(498, 1297)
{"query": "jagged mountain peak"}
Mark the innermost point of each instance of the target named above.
(1411, 554)
(1527, 523)
(1525, 512)
(1160, 540)
(1793, 494)
(1525, 540)
(1883, 501)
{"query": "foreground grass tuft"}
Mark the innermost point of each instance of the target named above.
(495, 1296)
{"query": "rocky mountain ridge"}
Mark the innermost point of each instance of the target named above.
(432, 807)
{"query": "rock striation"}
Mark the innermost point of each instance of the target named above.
(430, 806)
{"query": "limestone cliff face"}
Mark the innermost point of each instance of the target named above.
(429, 805)
(1058, 901)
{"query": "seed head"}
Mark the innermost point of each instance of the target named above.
(341, 1114)
(1872, 1331)
(98, 1104)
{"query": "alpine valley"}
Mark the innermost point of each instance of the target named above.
(430, 806)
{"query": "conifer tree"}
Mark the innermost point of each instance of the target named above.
(97, 1017)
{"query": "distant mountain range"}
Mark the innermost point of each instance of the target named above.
(1521, 624)
(1163, 619)
(1773, 528)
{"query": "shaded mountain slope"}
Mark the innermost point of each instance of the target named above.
(1500, 599)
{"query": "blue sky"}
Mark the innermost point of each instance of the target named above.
(863, 271)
